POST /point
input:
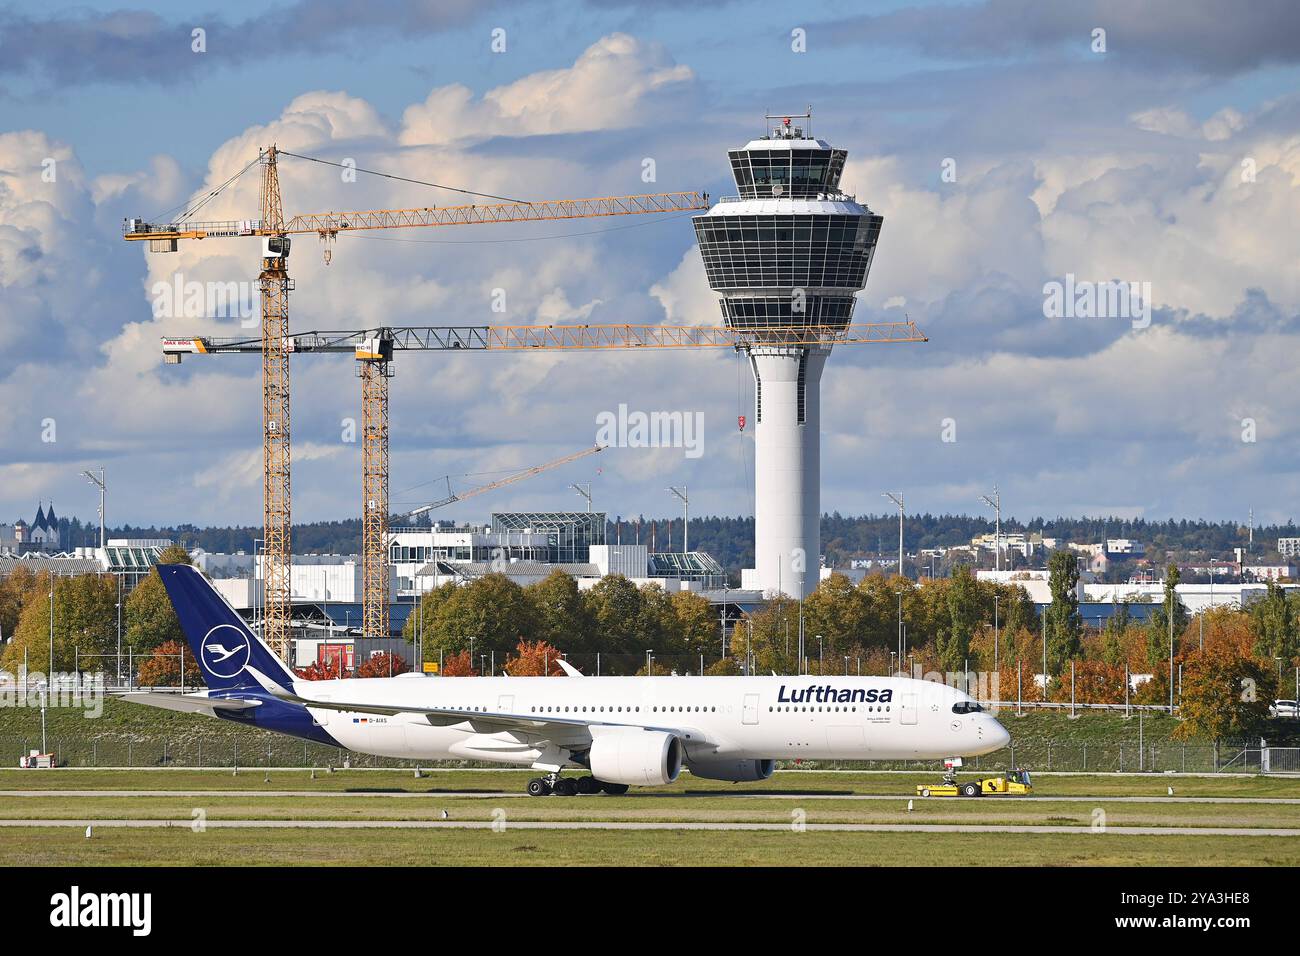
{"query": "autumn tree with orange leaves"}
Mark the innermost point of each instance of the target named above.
(383, 664)
(163, 667)
(459, 665)
(535, 659)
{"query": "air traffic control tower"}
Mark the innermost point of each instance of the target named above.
(790, 250)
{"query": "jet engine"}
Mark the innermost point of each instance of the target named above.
(637, 757)
(735, 771)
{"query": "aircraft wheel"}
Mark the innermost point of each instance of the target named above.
(566, 787)
(537, 787)
(925, 792)
(588, 785)
(970, 790)
(614, 789)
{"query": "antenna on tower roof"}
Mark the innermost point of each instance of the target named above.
(784, 129)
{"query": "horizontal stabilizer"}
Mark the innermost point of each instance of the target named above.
(188, 703)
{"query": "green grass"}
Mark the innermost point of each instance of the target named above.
(820, 796)
(69, 847)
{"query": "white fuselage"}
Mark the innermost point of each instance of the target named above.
(841, 718)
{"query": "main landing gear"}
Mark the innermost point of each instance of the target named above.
(553, 783)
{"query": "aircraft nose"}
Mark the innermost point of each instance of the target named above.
(997, 735)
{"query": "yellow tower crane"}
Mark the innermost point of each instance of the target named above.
(374, 349)
(275, 232)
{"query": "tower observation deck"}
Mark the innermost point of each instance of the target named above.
(790, 250)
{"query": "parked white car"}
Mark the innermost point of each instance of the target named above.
(1284, 708)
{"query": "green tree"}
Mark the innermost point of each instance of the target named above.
(84, 625)
(492, 610)
(424, 618)
(880, 614)
(615, 606)
(21, 586)
(772, 636)
(964, 612)
(1273, 620)
(840, 612)
(1112, 635)
(698, 630)
(148, 615)
(1063, 621)
(1016, 613)
(562, 618)
(1158, 622)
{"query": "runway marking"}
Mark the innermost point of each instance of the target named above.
(618, 825)
(687, 794)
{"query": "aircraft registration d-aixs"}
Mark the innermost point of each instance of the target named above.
(626, 731)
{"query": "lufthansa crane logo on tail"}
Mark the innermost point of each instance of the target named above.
(226, 651)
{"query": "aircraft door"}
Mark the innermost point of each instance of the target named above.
(907, 710)
(506, 704)
(749, 713)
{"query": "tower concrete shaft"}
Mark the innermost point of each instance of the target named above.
(787, 466)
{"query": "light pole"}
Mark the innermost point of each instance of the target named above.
(995, 632)
(50, 670)
(996, 504)
(686, 516)
(98, 482)
(119, 628)
(900, 628)
(801, 642)
(1173, 598)
(898, 500)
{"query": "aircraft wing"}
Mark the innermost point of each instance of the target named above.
(550, 727)
(189, 703)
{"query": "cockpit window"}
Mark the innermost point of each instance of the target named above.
(966, 707)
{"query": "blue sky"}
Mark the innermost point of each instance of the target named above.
(1117, 164)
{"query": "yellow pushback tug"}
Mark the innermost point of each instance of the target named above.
(1012, 783)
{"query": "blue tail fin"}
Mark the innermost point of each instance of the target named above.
(222, 643)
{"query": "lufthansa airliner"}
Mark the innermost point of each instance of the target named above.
(620, 731)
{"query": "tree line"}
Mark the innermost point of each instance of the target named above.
(731, 539)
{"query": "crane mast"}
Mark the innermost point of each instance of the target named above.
(277, 524)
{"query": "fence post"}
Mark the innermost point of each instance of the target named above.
(128, 752)
(236, 753)
(1121, 758)
(200, 753)
(1085, 756)
(1049, 755)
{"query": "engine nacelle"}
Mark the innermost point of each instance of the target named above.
(642, 758)
(734, 771)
